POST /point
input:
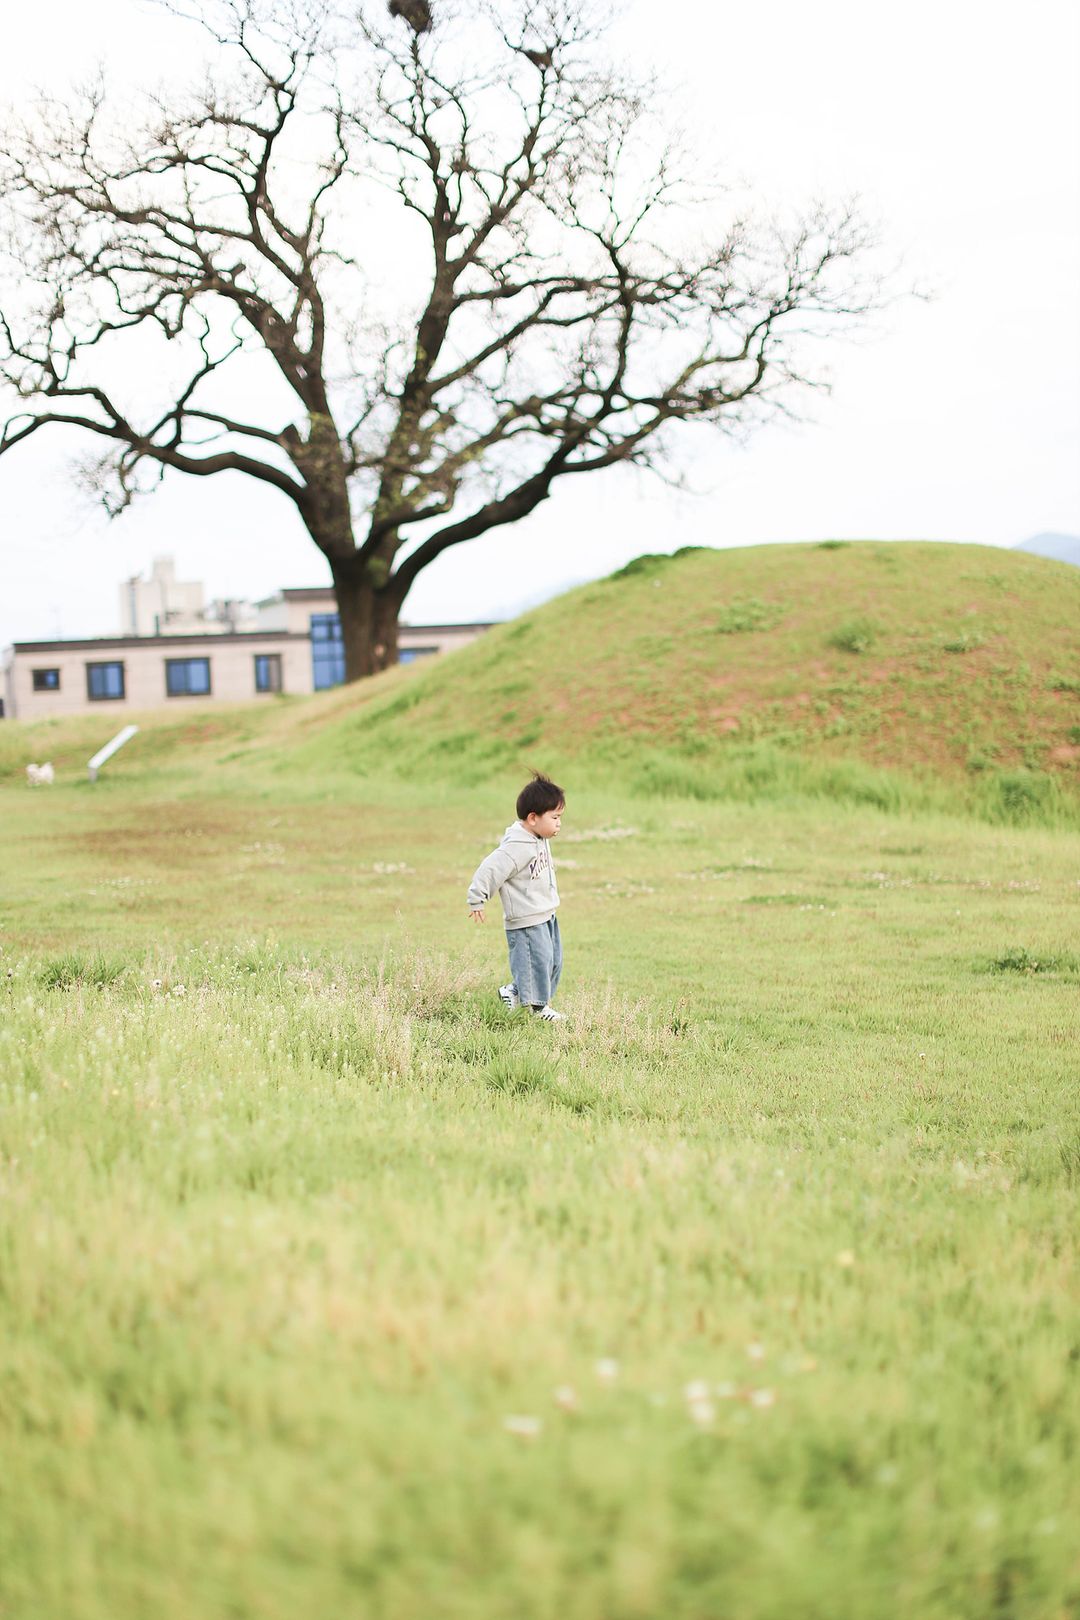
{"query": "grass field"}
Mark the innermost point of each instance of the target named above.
(329, 1289)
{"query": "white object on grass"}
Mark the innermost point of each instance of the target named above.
(39, 775)
(95, 764)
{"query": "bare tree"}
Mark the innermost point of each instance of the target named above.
(478, 159)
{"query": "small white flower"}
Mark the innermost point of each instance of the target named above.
(566, 1397)
(756, 1351)
(526, 1428)
(178, 990)
(703, 1413)
(696, 1390)
(155, 984)
(762, 1397)
(607, 1369)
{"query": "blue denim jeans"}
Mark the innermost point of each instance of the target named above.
(535, 961)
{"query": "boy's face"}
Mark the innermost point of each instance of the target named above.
(545, 824)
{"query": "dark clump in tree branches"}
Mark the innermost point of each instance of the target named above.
(411, 279)
(417, 13)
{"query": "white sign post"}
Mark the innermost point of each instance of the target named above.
(109, 750)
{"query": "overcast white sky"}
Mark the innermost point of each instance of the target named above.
(957, 123)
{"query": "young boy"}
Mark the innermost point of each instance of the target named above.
(522, 873)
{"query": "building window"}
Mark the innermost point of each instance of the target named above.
(104, 682)
(327, 651)
(187, 677)
(408, 655)
(268, 672)
(46, 680)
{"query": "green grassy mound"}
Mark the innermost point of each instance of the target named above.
(895, 675)
(826, 669)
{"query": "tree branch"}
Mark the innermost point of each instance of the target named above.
(523, 314)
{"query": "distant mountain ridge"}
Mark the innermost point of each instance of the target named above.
(1062, 547)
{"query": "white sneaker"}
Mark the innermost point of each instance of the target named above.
(549, 1015)
(509, 997)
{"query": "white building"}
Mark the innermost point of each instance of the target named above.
(293, 645)
(160, 605)
(165, 606)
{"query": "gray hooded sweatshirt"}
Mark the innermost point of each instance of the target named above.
(522, 873)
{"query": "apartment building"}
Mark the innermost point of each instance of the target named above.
(291, 643)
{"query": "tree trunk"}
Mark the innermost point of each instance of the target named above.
(369, 619)
(368, 604)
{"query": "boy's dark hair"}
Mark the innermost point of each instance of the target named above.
(539, 795)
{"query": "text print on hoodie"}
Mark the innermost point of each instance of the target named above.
(522, 873)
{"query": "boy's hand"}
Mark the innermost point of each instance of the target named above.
(478, 914)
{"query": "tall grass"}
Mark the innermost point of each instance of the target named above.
(767, 773)
(327, 1287)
